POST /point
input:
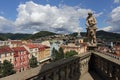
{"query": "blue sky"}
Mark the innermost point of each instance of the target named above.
(61, 16)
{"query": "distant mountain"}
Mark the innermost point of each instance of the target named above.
(100, 34)
(41, 34)
(75, 34)
(5, 36)
(108, 35)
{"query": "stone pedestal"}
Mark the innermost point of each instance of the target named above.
(91, 47)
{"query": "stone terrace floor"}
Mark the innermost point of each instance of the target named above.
(90, 76)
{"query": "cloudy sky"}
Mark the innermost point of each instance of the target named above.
(60, 16)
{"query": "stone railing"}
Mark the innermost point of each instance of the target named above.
(73, 68)
(65, 69)
(105, 66)
(109, 54)
(112, 55)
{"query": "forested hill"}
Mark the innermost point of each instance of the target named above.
(103, 35)
(5, 36)
(40, 34)
(100, 34)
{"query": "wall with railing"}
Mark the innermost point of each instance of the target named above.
(65, 69)
(73, 68)
(108, 67)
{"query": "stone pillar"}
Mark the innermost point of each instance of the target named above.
(56, 75)
(62, 74)
(67, 72)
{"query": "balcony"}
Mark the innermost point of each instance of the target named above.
(87, 66)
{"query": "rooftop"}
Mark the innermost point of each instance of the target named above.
(4, 49)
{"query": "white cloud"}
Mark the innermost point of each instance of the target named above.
(99, 14)
(108, 28)
(6, 26)
(114, 20)
(33, 17)
(116, 1)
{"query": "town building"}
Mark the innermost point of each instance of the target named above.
(5, 43)
(54, 45)
(81, 48)
(15, 43)
(116, 50)
(6, 53)
(21, 59)
(32, 49)
(44, 53)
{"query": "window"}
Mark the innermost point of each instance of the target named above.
(15, 64)
(35, 54)
(5, 54)
(31, 50)
(20, 53)
(10, 54)
(10, 60)
(21, 63)
(24, 52)
(21, 57)
(15, 59)
(23, 69)
(36, 49)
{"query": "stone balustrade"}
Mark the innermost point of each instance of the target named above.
(112, 55)
(105, 66)
(64, 69)
(73, 68)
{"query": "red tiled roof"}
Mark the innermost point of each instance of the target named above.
(31, 46)
(16, 42)
(39, 46)
(19, 49)
(116, 47)
(4, 49)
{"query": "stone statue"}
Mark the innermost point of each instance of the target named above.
(91, 29)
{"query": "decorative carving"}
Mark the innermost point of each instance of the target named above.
(91, 29)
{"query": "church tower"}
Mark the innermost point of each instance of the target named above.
(79, 38)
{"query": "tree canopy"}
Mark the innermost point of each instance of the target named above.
(56, 55)
(70, 53)
(7, 68)
(33, 62)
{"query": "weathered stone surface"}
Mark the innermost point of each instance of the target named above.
(91, 29)
(74, 68)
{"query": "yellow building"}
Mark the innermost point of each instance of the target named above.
(44, 53)
(81, 48)
(6, 53)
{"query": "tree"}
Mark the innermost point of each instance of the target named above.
(53, 56)
(7, 68)
(1, 66)
(33, 62)
(70, 53)
(56, 55)
(61, 52)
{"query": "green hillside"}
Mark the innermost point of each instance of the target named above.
(5, 36)
(100, 34)
(40, 34)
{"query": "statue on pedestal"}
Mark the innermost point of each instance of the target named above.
(91, 29)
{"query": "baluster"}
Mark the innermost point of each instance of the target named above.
(49, 76)
(56, 75)
(68, 72)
